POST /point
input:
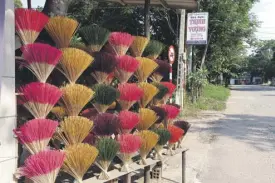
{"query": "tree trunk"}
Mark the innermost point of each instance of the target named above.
(56, 7)
(205, 52)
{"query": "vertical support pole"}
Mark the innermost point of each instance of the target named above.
(147, 18)
(171, 73)
(9, 145)
(181, 45)
(127, 178)
(190, 58)
(29, 4)
(183, 165)
(147, 174)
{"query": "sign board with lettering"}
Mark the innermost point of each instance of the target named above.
(197, 28)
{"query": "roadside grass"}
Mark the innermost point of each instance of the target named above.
(213, 98)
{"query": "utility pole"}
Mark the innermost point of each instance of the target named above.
(181, 60)
(147, 18)
(29, 4)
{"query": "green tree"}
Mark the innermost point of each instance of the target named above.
(262, 62)
(18, 4)
(230, 26)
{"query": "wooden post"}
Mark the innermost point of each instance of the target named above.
(183, 164)
(147, 174)
(29, 4)
(147, 18)
(127, 178)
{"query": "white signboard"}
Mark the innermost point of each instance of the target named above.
(197, 28)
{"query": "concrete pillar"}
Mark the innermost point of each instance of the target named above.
(181, 59)
(8, 147)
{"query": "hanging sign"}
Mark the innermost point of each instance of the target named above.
(171, 54)
(2, 23)
(197, 28)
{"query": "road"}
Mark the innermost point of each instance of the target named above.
(242, 149)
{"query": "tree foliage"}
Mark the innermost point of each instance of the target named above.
(231, 26)
(18, 4)
(262, 61)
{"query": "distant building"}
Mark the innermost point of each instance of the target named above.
(244, 79)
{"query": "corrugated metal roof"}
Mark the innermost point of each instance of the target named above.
(178, 4)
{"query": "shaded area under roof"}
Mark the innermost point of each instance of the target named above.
(177, 4)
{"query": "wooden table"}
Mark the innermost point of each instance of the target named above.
(115, 174)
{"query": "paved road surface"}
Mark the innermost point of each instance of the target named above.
(243, 147)
(240, 148)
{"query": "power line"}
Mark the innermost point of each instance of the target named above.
(265, 32)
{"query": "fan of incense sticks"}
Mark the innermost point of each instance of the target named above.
(104, 96)
(160, 96)
(29, 23)
(171, 88)
(94, 37)
(145, 69)
(153, 49)
(147, 118)
(73, 63)
(40, 59)
(164, 137)
(120, 41)
(128, 120)
(90, 139)
(75, 97)
(138, 45)
(162, 70)
(175, 105)
(42, 167)
(74, 129)
(130, 93)
(149, 91)
(90, 113)
(61, 29)
(112, 106)
(59, 112)
(108, 149)
(125, 68)
(109, 49)
(129, 145)
(106, 124)
(104, 64)
(79, 158)
(176, 134)
(39, 98)
(172, 112)
(185, 126)
(161, 113)
(36, 134)
(149, 140)
(110, 78)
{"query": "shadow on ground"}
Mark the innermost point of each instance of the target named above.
(257, 131)
(252, 88)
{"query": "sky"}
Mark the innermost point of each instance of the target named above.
(264, 10)
(35, 3)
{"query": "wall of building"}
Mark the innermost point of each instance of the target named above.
(8, 147)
